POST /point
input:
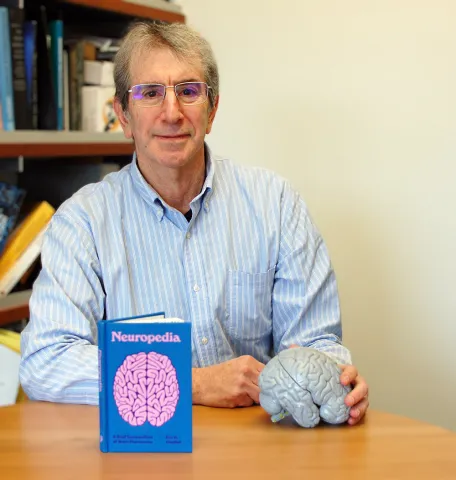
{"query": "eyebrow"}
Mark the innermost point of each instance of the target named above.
(180, 81)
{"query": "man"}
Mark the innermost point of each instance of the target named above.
(231, 249)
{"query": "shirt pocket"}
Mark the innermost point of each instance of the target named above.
(249, 307)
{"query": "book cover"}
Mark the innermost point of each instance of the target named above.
(145, 384)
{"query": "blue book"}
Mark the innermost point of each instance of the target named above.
(56, 32)
(145, 372)
(6, 72)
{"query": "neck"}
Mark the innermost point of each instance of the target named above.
(176, 186)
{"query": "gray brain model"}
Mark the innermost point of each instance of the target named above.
(304, 383)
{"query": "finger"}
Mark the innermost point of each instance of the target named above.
(253, 391)
(294, 346)
(348, 375)
(360, 391)
(358, 412)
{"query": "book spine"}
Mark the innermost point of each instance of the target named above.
(76, 81)
(47, 109)
(56, 31)
(30, 71)
(22, 116)
(102, 385)
(6, 75)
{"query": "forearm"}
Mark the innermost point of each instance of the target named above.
(62, 372)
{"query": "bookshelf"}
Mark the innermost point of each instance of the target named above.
(40, 143)
(46, 144)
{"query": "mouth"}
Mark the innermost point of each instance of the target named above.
(172, 137)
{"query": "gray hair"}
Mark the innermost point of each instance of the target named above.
(184, 42)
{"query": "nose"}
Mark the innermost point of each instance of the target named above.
(171, 107)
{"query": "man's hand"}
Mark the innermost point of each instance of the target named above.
(357, 399)
(229, 384)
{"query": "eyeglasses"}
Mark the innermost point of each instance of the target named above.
(153, 94)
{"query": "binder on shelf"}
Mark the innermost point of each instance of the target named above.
(145, 384)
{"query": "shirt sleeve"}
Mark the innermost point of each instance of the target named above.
(305, 302)
(58, 346)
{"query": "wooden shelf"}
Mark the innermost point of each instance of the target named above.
(130, 9)
(14, 307)
(39, 143)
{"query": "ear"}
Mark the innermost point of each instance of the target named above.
(212, 115)
(123, 118)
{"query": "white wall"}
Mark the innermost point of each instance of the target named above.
(355, 101)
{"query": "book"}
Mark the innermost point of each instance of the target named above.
(29, 29)
(145, 384)
(22, 265)
(24, 234)
(11, 341)
(98, 113)
(46, 88)
(56, 34)
(11, 199)
(22, 116)
(6, 72)
(9, 375)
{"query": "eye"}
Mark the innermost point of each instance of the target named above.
(150, 92)
(190, 91)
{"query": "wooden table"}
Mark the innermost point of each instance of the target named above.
(51, 441)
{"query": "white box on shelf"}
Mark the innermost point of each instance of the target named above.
(98, 110)
(98, 73)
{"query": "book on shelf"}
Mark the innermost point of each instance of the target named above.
(145, 384)
(11, 199)
(23, 235)
(98, 113)
(22, 265)
(6, 72)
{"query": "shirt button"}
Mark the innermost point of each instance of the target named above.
(206, 204)
(196, 288)
(188, 235)
(204, 341)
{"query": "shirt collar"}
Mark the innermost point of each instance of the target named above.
(149, 194)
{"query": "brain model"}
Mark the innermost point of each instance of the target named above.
(146, 388)
(304, 383)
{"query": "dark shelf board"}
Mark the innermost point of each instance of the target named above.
(130, 9)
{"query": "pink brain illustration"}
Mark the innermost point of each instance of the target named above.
(146, 388)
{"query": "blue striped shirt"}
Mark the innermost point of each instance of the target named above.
(249, 271)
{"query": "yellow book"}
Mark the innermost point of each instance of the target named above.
(24, 234)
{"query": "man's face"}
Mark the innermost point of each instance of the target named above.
(169, 135)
